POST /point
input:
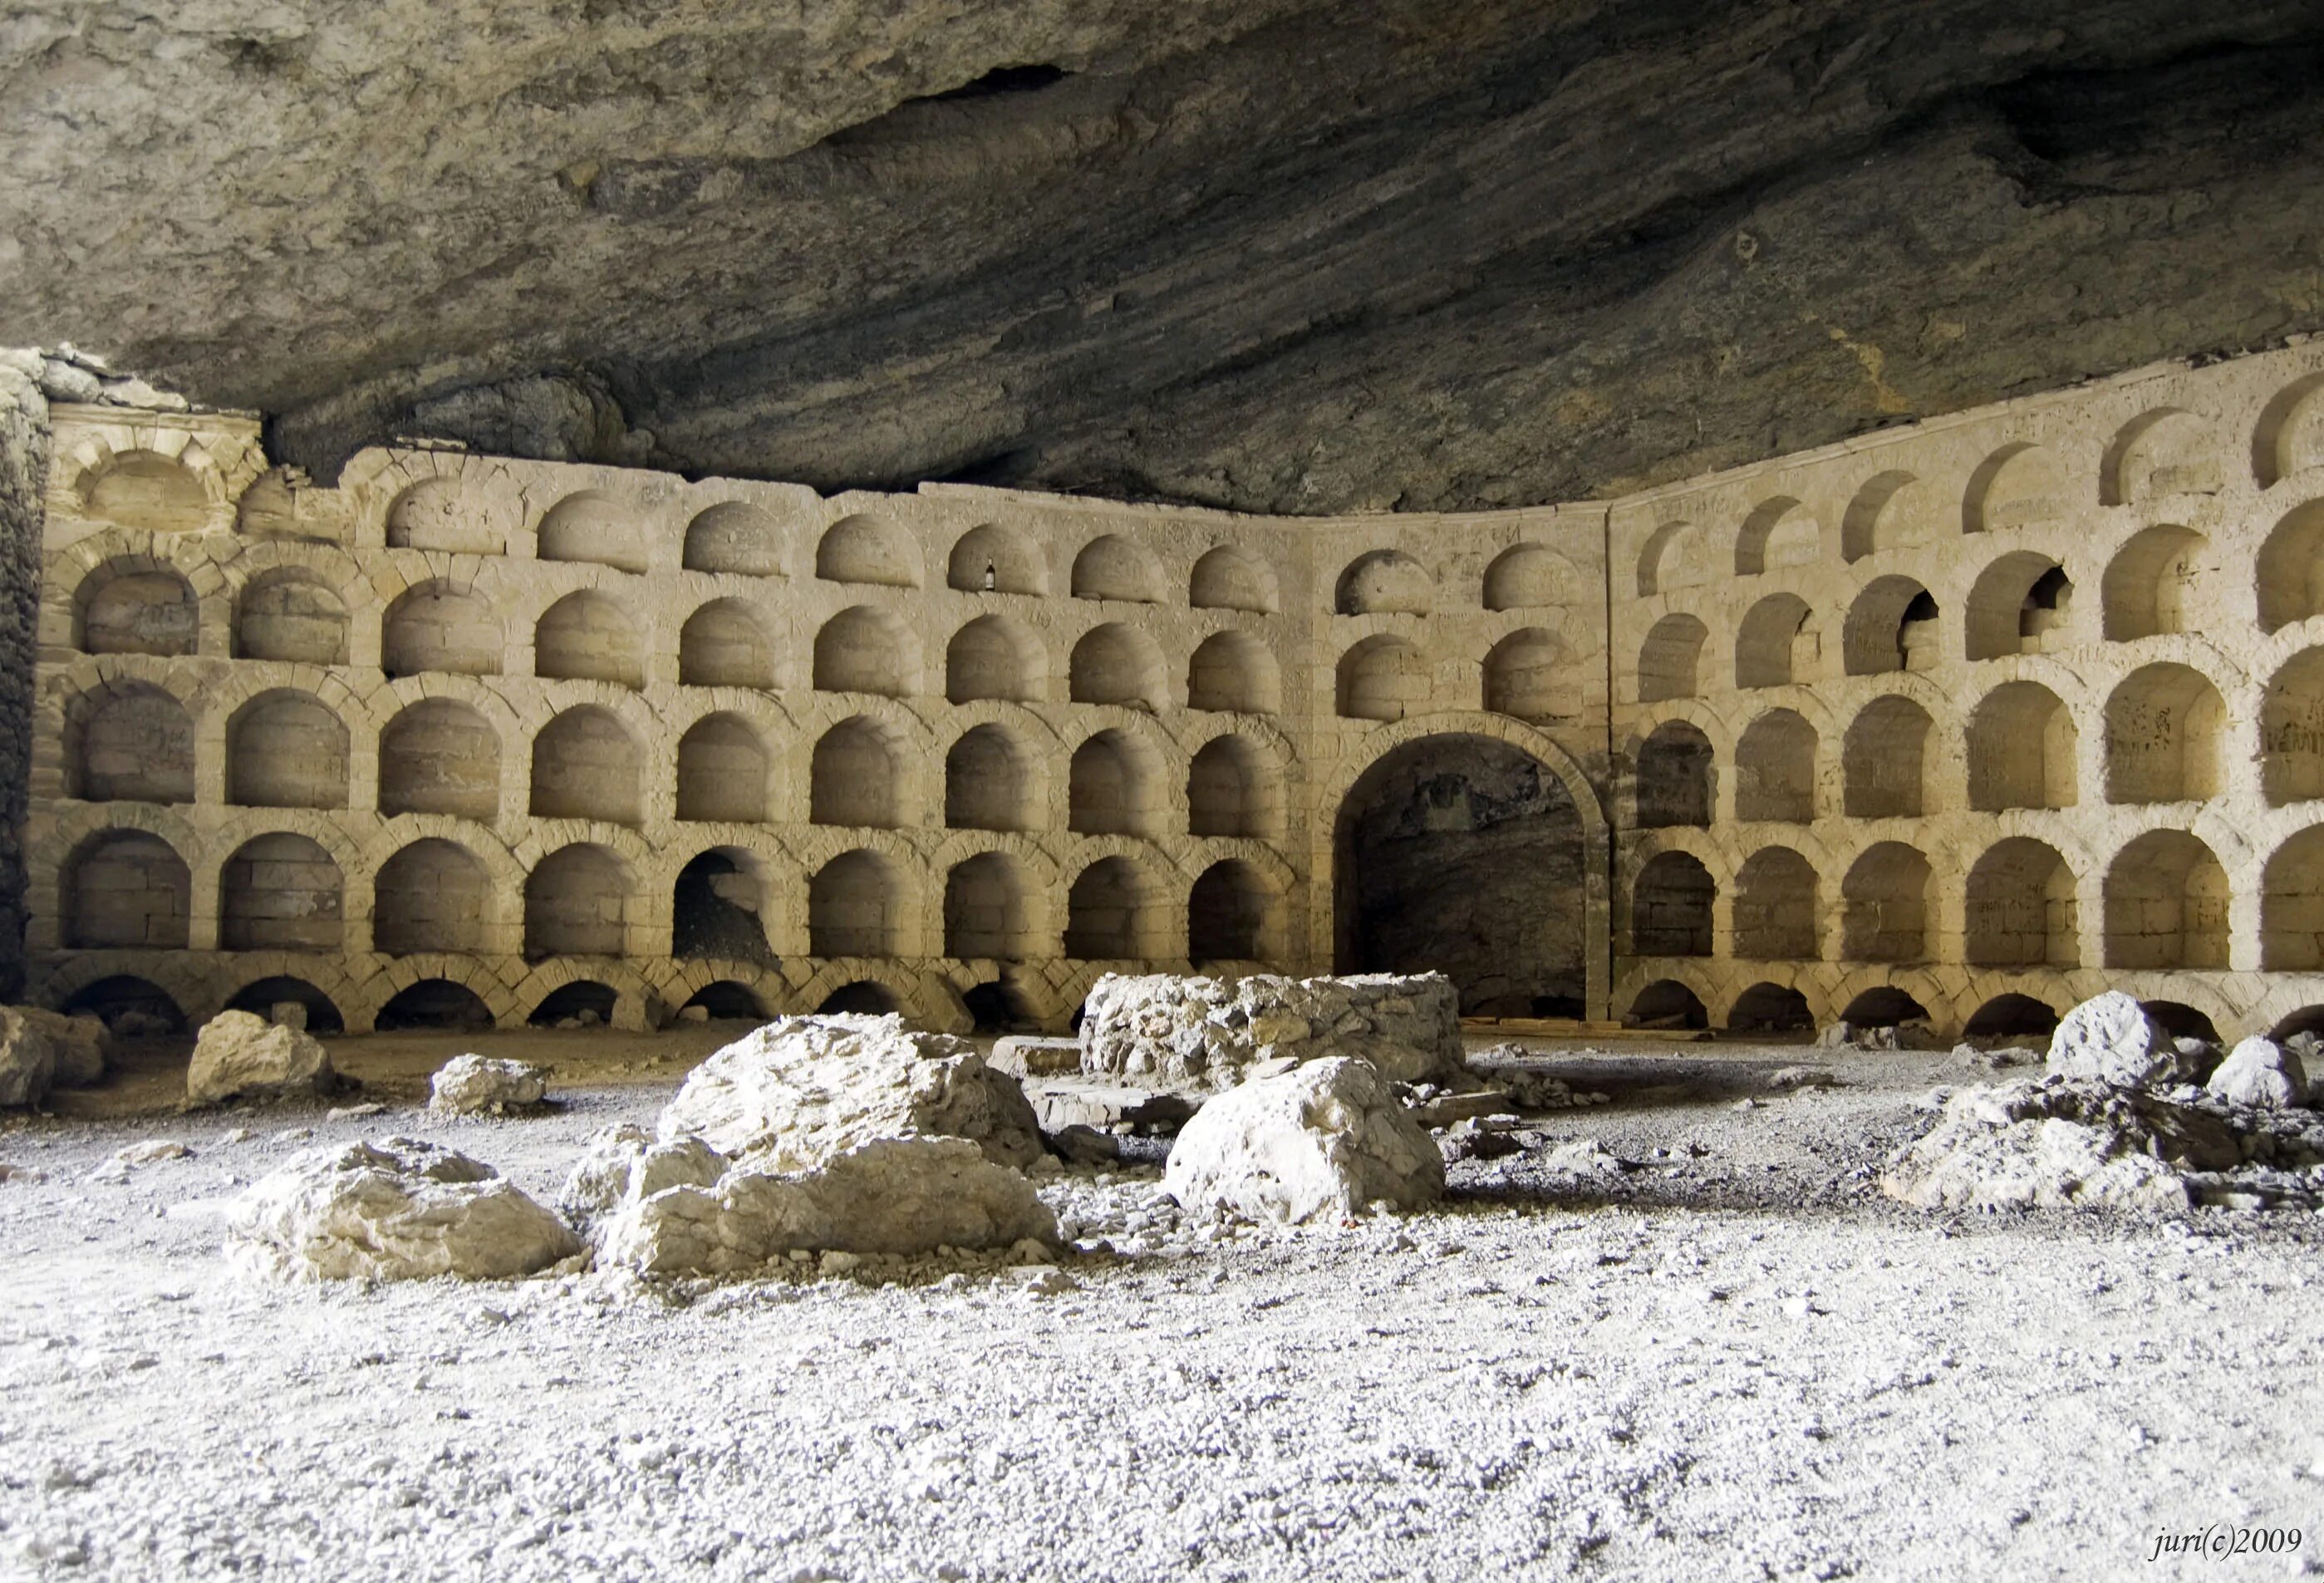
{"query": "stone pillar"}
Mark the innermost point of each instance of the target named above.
(24, 483)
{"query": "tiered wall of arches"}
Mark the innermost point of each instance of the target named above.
(1977, 717)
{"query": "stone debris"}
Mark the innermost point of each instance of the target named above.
(627, 1162)
(1912, 1033)
(1787, 1079)
(1205, 1035)
(1527, 1087)
(77, 1045)
(801, 1091)
(23, 1173)
(1970, 1058)
(2260, 1073)
(242, 1054)
(2110, 1039)
(1321, 1142)
(400, 1210)
(1060, 1106)
(368, 1108)
(1025, 1056)
(476, 1085)
(28, 1063)
(887, 1196)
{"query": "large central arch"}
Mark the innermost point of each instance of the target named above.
(1476, 855)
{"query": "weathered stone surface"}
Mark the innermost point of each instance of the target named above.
(801, 1090)
(2110, 1039)
(397, 1210)
(476, 1085)
(1023, 1055)
(886, 1196)
(627, 1163)
(2054, 1142)
(242, 1054)
(28, 1063)
(1321, 1141)
(77, 1043)
(2260, 1073)
(1170, 1030)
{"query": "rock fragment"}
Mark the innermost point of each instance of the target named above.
(2263, 1074)
(1172, 1030)
(2110, 1039)
(242, 1054)
(2055, 1143)
(398, 1210)
(1320, 1142)
(477, 1084)
(78, 1045)
(28, 1063)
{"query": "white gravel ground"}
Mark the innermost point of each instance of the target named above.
(1731, 1360)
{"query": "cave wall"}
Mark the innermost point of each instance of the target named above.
(24, 483)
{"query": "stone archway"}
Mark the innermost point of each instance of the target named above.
(1466, 854)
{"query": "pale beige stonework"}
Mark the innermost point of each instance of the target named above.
(2025, 701)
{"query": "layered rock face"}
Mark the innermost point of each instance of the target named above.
(1278, 255)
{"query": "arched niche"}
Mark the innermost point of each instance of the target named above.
(736, 538)
(724, 644)
(279, 893)
(1111, 567)
(593, 528)
(1385, 582)
(1231, 579)
(588, 636)
(991, 558)
(290, 614)
(440, 755)
(869, 551)
(721, 772)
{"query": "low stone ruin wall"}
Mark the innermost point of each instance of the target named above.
(1170, 1032)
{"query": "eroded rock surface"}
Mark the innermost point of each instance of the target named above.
(477, 1084)
(242, 1054)
(397, 1210)
(77, 1044)
(1170, 1030)
(1323, 1140)
(2111, 1038)
(2260, 1073)
(801, 1090)
(27, 1065)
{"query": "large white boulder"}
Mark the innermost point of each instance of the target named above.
(28, 1061)
(2260, 1073)
(398, 1210)
(2053, 1143)
(887, 1196)
(243, 1053)
(2110, 1039)
(1325, 1139)
(477, 1084)
(1170, 1030)
(76, 1044)
(802, 1090)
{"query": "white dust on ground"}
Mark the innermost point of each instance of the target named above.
(1732, 1361)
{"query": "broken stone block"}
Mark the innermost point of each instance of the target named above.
(28, 1063)
(242, 1054)
(801, 1090)
(1023, 1055)
(626, 1163)
(2053, 1143)
(476, 1085)
(2260, 1073)
(1320, 1142)
(1170, 1030)
(398, 1210)
(77, 1045)
(2110, 1039)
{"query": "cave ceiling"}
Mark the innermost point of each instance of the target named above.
(1412, 254)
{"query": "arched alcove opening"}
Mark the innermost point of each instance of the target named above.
(1464, 854)
(1671, 906)
(724, 1001)
(985, 911)
(721, 772)
(1385, 582)
(1884, 905)
(1778, 644)
(592, 528)
(1383, 677)
(2291, 905)
(1108, 913)
(1118, 664)
(2166, 905)
(440, 755)
(1233, 915)
(1234, 789)
(1114, 787)
(1892, 627)
(993, 559)
(1228, 578)
(723, 645)
(863, 649)
(261, 997)
(2019, 488)
(137, 745)
(585, 765)
(2158, 454)
(1884, 1007)
(2021, 908)
(582, 1004)
(129, 1006)
(279, 893)
(588, 638)
(1777, 533)
(574, 901)
(2015, 606)
(1675, 770)
(1892, 511)
(733, 537)
(854, 778)
(1670, 662)
(135, 610)
(126, 889)
(863, 998)
(433, 896)
(985, 782)
(436, 514)
(1776, 915)
(867, 550)
(1522, 675)
(1666, 1005)
(291, 615)
(1528, 577)
(1111, 567)
(2149, 583)
(2021, 750)
(434, 1004)
(2012, 1016)
(286, 750)
(438, 627)
(1776, 769)
(855, 908)
(2291, 731)
(2163, 726)
(1770, 1009)
(719, 909)
(1883, 761)
(145, 489)
(993, 657)
(1232, 672)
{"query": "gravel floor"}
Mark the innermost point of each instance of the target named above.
(1724, 1357)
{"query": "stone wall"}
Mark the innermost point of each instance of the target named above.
(23, 477)
(1961, 720)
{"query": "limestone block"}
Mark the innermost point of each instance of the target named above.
(1205, 1034)
(242, 1054)
(1024, 1055)
(2110, 1039)
(800, 1091)
(476, 1085)
(28, 1063)
(2260, 1073)
(77, 1043)
(626, 1163)
(1322, 1140)
(398, 1210)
